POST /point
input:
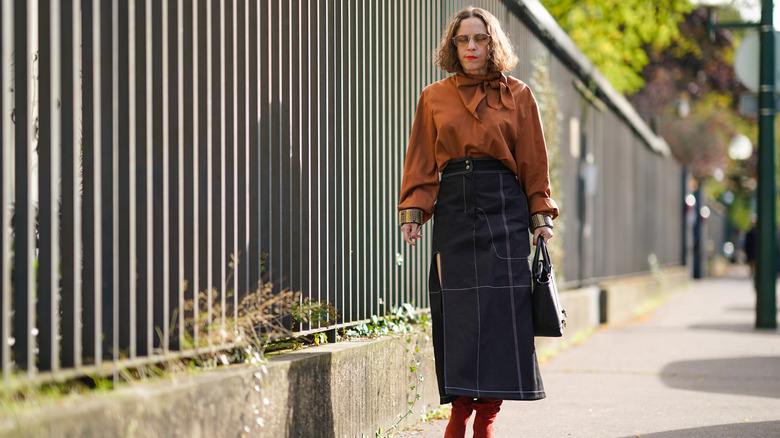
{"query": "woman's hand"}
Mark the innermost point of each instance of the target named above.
(411, 231)
(545, 232)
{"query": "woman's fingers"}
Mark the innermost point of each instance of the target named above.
(545, 232)
(411, 232)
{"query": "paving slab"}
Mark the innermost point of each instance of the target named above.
(694, 367)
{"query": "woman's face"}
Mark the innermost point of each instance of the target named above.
(473, 55)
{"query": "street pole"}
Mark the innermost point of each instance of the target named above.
(766, 265)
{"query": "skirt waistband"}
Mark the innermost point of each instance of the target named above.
(471, 164)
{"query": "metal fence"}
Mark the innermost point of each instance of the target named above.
(149, 144)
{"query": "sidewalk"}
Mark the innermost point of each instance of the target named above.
(695, 367)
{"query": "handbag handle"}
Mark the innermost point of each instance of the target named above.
(541, 268)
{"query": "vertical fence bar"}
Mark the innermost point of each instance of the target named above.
(6, 163)
(314, 145)
(143, 193)
(360, 254)
(24, 219)
(292, 78)
(327, 78)
(386, 205)
(352, 191)
(301, 123)
(127, 262)
(90, 332)
(169, 170)
(371, 232)
(208, 268)
(374, 229)
(56, 110)
(337, 188)
(188, 198)
(218, 154)
(172, 264)
(70, 188)
(347, 166)
(158, 302)
(118, 352)
(47, 221)
(201, 146)
(188, 169)
(330, 85)
(240, 123)
(231, 170)
(356, 163)
(253, 253)
(393, 108)
(265, 129)
(281, 253)
(274, 160)
(108, 185)
(398, 142)
(136, 325)
(178, 278)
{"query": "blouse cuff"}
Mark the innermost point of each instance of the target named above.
(545, 206)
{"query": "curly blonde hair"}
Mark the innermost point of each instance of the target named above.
(501, 56)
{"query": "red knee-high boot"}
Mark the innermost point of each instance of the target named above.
(461, 411)
(486, 412)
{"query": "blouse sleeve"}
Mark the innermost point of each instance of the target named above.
(420, 184)
(531, 157)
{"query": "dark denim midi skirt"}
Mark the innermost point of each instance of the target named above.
(481, 311)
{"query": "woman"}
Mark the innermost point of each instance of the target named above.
(481, 130)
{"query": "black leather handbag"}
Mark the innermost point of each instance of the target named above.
(548, 316)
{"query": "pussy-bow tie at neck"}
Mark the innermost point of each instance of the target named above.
(473, 89)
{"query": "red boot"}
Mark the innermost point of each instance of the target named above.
(461, 411)
(487, 410)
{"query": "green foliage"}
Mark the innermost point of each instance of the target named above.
(399, 320)
(314, 312)
(614, 34)
(549, 108)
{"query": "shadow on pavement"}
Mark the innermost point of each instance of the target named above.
(746, 429)
(756, 376)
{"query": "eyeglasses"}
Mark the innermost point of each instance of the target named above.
(480, 39)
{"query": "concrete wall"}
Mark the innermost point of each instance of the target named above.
(347, 389)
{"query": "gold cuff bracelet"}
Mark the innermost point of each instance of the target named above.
(540, 220)
(410, 215)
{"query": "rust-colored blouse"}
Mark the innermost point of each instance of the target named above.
(479, 116)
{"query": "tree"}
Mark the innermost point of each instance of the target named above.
(615, 34)
(696, 72)
(682, 83)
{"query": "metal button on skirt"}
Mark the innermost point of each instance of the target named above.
(481, 311)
